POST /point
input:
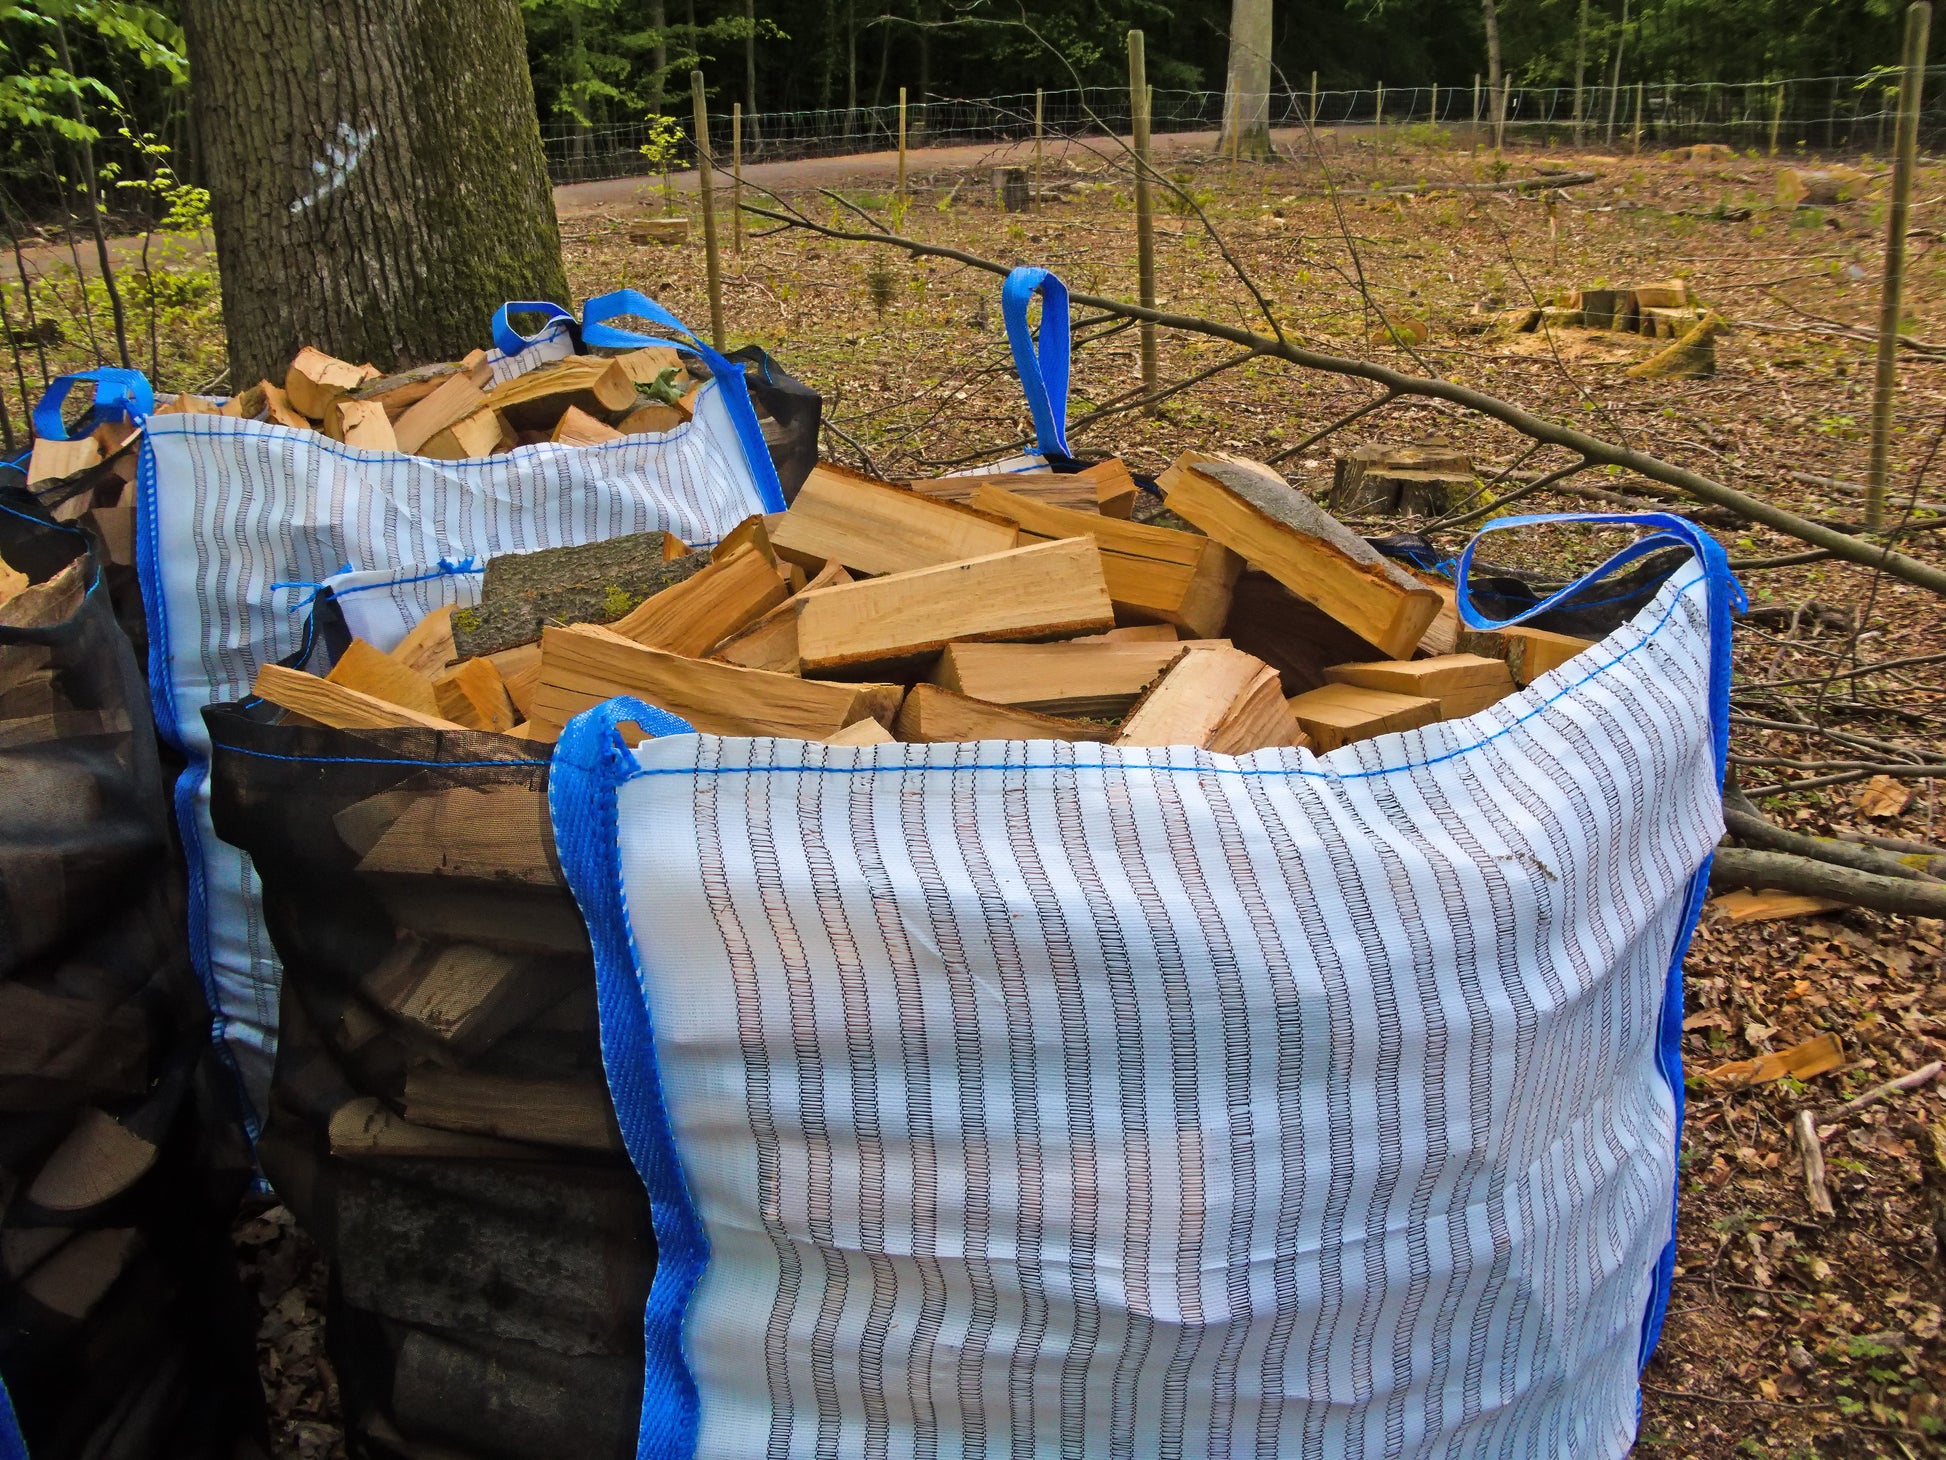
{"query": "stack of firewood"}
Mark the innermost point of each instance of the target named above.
(963, 608)
(446, 412)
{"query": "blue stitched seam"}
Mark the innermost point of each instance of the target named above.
(456, 765)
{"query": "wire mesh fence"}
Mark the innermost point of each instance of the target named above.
(1807, 113)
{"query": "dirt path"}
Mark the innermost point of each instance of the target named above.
(580, 200)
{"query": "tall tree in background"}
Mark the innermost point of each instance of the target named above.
(1246, 91)
(1490, 17)
(375, 172)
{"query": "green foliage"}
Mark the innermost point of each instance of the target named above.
(37, 88)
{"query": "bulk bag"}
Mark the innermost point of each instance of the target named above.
(230, 512)
(438, 1119)
(123, 1327)
(1055, 1098)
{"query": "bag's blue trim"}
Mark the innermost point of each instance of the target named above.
(510, 341)
(12, 1446)
(119, 395)
(598, 333)
(1726, 597)
(590, 764)
(195, 770)
(1043, 368)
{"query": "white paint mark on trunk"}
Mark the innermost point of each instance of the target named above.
(343, 159)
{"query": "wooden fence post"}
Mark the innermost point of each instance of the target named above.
(1314, 99)
(1138, 102)
(1033, 191)
(1776, 117)
(1918, 24)
(1638, 117)
(703, 167)
(901, 141)
(736, 174)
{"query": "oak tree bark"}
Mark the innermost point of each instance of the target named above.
(376, 175)
(1496, 102)
(1246, 110)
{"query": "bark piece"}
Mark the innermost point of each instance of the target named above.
(1154, 574)
(1817, 1056)
(931, 715)
(1810, 1149)
(52, 602)
(697, 614)
(574, 1114)
(874, 527)
(99, 1160)
(371, 671)
(473, 694)
(1339, 714)
(1462, 683)
(1042, 592)
(316, 379)
(55, 460)
(334, 705)
(536, 400)
(498, 834)
(1250, 509)
(577, 428)
(1529, 653)
(1099, 679)
(1133, 634)
(583, 665)
(596, 582)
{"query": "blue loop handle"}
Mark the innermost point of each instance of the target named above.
(597, 332)
(1043, 368)
(510, 341)
(1725, 597)
(119, 395)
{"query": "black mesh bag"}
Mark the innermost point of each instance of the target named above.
(124, 1331)
(439, 1119)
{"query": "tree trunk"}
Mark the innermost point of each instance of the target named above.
(1615, 81)
(851, 63)
(376, 175)
(752, 122)
(659, 23)
(1246, 110)
(1496, 102)
(1580, 69)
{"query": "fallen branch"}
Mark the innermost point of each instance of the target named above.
(1916, 1079)
(1511, 185)
(1748, 826)
(1805, 1128)
(1743, 867)
(1595, 450)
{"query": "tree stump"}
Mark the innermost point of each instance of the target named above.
(1691, 357)
(1010, 187)
(664, 231)
(1798, 188)
(1373, 479)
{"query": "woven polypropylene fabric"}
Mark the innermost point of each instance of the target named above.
(228, 509)
(1062, 1099)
